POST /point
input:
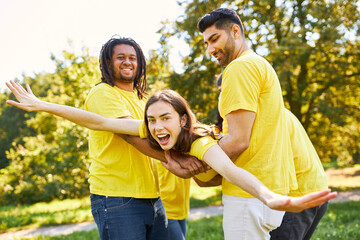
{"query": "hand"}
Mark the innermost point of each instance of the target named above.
(194, 165)
(297, 204)
(27, 100)
(175, 167)
(215, 181)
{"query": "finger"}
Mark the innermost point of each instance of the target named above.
(16, 104)
(321, 200)
(12, 88)
(191, 169)
(200, 166)
(21, 89)
(29, 89)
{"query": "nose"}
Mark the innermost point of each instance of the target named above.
(158, 126)
(127, 61)
(210, 49)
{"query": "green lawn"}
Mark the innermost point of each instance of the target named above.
(78, 210)
(340, 222)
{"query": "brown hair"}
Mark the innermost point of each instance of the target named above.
(189, 132)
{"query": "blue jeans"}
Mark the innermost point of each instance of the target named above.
(177, 229)
(129, 218)
(299, 226)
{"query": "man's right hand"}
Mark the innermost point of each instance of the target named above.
(194, 165)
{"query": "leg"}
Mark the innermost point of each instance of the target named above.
(177, 229)
(123, 217)
(248, 218)
(158, 224)
(97, 208)
(299, 226)
(321, 210)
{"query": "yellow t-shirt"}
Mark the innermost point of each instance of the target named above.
(175, 191)
(117, 168)
(310, 173)
(250, 83)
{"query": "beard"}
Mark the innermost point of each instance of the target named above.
(126, 79)
(123, 78)
(228, 52)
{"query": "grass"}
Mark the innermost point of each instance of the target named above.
(68, 211)
(341, 222)
(45, 214)
(206, 196)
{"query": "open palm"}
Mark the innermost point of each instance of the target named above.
(27, 100)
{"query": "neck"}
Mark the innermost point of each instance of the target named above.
(243, 47)
(126, 86)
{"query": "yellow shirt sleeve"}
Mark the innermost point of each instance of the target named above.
(245, 93)
(198, 149)
(142, 129)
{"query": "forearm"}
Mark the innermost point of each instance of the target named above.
(249, 183)
(218, 160)
(143, 146)
(215, 181)
(91, 120)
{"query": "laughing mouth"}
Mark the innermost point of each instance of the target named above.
(163, 138)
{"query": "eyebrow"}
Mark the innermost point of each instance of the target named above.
(167, 113)
(211, 37)
(125, 54)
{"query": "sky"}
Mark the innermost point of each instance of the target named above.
(30, 30)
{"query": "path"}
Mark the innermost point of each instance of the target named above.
(195, 213)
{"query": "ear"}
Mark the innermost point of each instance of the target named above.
(183, 120)
(236, 31)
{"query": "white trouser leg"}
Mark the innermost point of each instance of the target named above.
(248, 219)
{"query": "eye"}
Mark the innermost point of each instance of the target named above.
(215, 39)
(133, 58)
(151, 120)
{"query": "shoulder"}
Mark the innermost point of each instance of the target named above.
(201, 145)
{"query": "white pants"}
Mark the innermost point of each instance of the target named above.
(248, 218)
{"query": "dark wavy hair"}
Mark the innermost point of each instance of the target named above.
(223, 18)
(189, 132)
(107, 73)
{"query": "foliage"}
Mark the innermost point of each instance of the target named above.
(12, 127)
(315, 49)
(53, 162)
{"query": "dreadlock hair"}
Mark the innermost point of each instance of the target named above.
(192, 129)
(107, 73)
(223, 18)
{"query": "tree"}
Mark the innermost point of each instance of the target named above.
(53, 162)
(315, 49)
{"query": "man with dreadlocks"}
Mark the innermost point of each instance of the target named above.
(124, 190)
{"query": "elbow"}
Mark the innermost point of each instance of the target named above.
(240, 147)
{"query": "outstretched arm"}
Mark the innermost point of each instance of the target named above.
(29, 102)
(221, 163)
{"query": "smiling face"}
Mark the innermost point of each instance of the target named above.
(222, 43)
(164, 124)
(124, 63)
